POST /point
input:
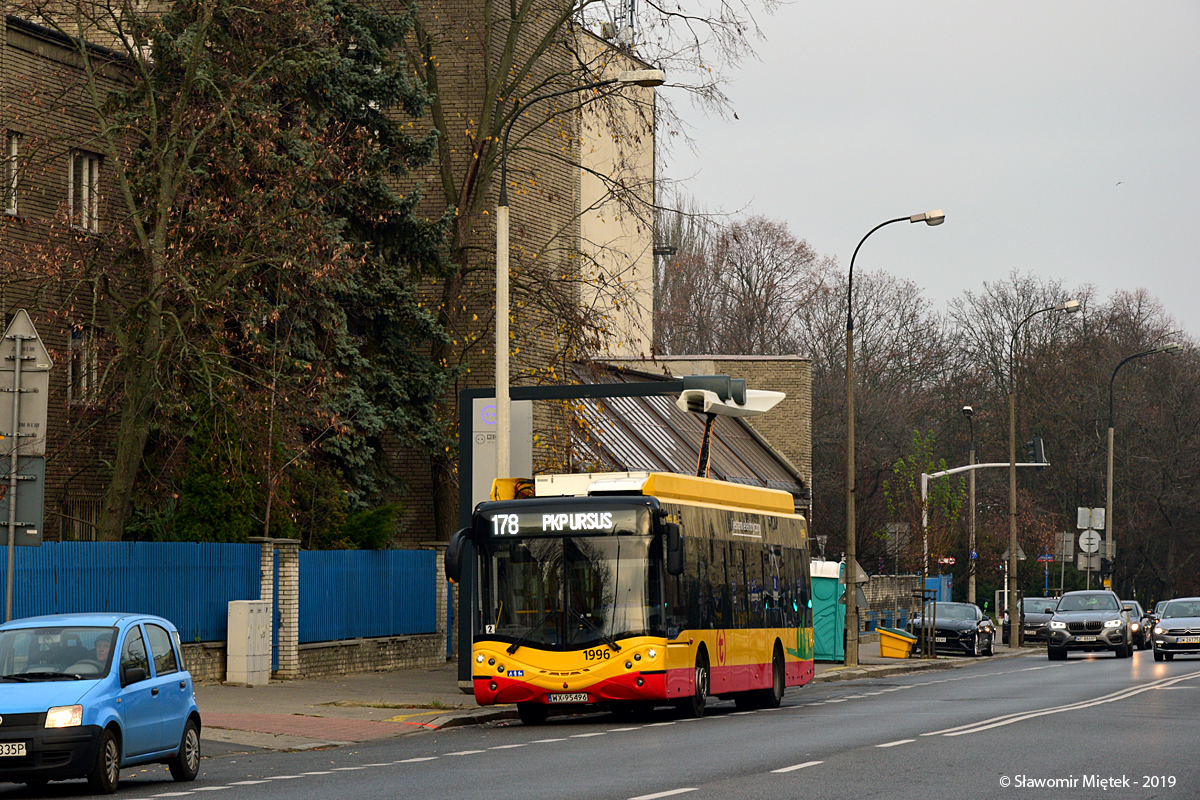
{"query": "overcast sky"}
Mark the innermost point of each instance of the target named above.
(1060, 138)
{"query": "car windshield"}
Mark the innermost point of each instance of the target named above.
(1132, 608)
(1182, 608)
(953, 611)
(1158, 608)
(55, 652)
(1088, 602)
(1038, 605)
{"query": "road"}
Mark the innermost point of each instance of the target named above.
(1093, 726)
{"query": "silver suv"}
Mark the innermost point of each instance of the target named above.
(1089, 621)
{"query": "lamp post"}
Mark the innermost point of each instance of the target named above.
(1109, 548)
(969, 412)
(1014, 616)
(851, 656)
(639, 77)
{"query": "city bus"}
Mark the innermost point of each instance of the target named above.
(634, 590)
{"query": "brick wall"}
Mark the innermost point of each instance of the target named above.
(206, 661)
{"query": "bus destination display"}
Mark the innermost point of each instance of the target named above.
(569, 522)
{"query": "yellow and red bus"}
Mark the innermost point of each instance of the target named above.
(635, 590)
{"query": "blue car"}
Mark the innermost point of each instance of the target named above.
(85, 695)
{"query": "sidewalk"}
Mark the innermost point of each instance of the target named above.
(307, 714)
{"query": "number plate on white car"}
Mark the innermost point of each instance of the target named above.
(12, 749)
(1086, 638)
(572, 697)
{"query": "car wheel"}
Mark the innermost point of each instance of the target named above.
(991, 646)
(1169, 656)
(771, 698)
(1158, 656)
(106, 772)
(693, 707)
(977, 647)
(185, 766)
(533, 713)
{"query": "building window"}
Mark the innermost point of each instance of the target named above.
(11, 152)
(83, 366)
(83, 186)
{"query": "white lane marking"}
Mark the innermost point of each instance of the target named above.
(660, 724)
(414, 760)
(739, 713)
(506, 746)
(381, 764)
(661, 794)
(617, 730)
(836, 700)
(893, 744)
(776, 708)
(466, 752)
(585, 735)
(171, 794)
(292, 777)
(795, 767)
(546, 741)
(326, 772)
(1020, 716)
(341, 769)
(211, 788)
(246, 783)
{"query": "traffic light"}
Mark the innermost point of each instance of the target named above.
(1106, 568)
(1035, 452)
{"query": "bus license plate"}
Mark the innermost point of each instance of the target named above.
(1188, 640)
(1086, 638)
(12, 749)
(572, 697)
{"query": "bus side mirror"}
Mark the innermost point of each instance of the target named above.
(674, 549)
(454, 554)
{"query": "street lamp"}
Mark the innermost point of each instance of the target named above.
(851, 655)
(638, 77)
(1014, 616)
(969, 412)
(1109, 550)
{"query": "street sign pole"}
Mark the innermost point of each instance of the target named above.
(21, 344)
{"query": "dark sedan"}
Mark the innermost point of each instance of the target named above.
(1178, 630)
(957, 628)
(1089, 620)
(1140, 623)
(1035, 616)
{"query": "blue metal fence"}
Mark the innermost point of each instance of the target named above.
(344, 594)
(188, 583)
(353, 594)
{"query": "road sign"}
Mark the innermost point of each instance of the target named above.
(1088, 562)
(32, 412)
(1020, 555)
(1090, 518)
(1089, 541)
(31, 478)
(1045, 558)
(947, 560)
(35, 356)
(1065, 548)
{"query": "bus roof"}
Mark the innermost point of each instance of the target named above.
(668, 486)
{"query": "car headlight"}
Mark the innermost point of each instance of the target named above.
(1058, 626)
(1158, 630)
(64, 717)
(1134, 626)
(1112, 623)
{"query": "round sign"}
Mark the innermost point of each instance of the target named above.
(1089, 541)
(946, 560)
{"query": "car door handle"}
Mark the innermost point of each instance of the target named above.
(154, 691)
(183, 684)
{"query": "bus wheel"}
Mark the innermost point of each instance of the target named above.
(771, 698)
(533, 713)
(693, 707)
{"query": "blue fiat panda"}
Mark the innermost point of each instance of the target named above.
(84, 695)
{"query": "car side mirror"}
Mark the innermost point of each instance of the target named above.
(132, 675)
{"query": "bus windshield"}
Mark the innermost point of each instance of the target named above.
(572, 592)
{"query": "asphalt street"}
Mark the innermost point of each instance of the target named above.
(1093, 726)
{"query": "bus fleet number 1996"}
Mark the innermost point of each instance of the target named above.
(595, 655)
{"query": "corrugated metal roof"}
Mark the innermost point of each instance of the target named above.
(651, 433)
